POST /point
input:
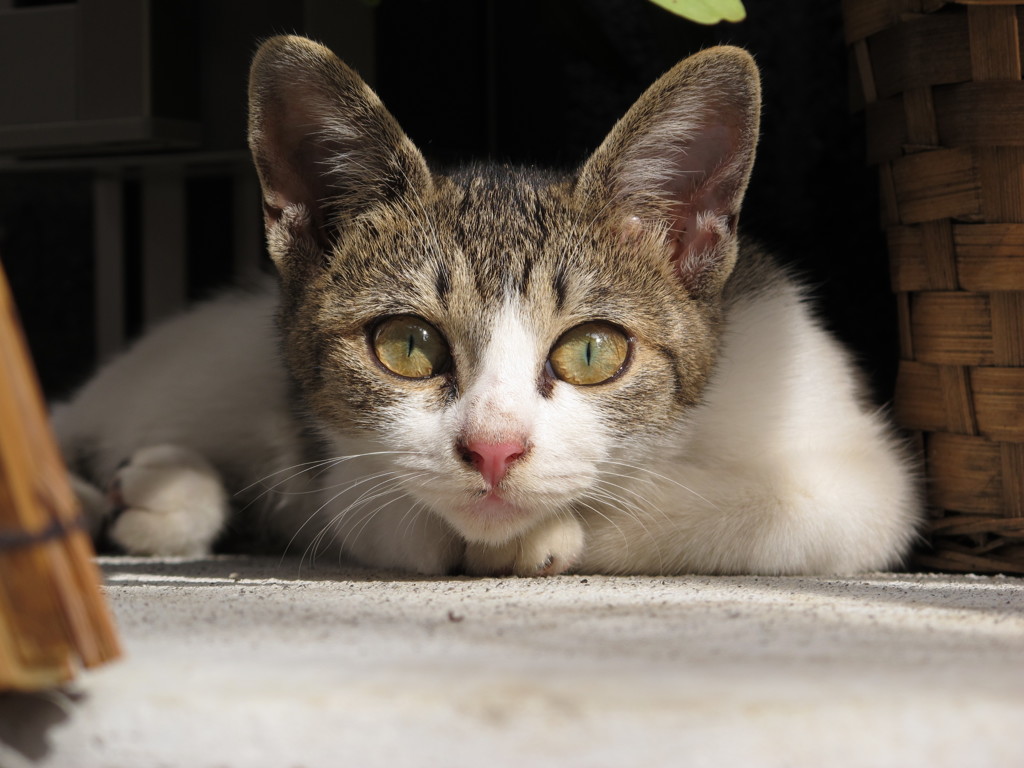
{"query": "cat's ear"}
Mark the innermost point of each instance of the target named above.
(677, 164)
(324, 146)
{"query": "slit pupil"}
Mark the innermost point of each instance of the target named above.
(412, 345)
(589, 343)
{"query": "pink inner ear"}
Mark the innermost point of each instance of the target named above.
(702, 184)
(698, 227)
(694, 252)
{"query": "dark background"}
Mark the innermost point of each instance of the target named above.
(525, 81)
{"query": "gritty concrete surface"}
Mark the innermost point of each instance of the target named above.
(253, 662)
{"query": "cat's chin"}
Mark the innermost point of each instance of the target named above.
(492, 519)
(494, 507)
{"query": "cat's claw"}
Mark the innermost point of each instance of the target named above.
(167, 500)
(553, 547)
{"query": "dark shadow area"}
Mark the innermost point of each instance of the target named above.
(27, 718)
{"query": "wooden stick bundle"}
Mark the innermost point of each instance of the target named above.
(52, 612)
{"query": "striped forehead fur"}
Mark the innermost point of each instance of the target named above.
(486, 236)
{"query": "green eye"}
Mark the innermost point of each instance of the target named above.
(411, 347)
(589, 354)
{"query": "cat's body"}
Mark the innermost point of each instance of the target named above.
(501, 370)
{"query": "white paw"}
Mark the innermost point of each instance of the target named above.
(553, 547)
(168, 501)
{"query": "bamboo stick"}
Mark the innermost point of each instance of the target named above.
(52, 613)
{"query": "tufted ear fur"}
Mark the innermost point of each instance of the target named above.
(677, 164)
(325, 148)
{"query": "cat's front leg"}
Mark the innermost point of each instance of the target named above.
(167, 501)
(553, 547)
(395, 539)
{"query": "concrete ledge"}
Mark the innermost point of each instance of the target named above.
(256, 662)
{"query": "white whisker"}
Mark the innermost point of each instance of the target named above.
(616, 503)
(386, 486)
(607, 519)
(312, 466)
(660, 476)
(345, 488)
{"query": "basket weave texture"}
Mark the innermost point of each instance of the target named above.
(944, 106)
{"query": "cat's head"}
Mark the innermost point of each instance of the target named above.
(513, 336)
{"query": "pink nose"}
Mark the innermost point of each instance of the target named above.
(492, 460)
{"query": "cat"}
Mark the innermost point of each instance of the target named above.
(497, 370)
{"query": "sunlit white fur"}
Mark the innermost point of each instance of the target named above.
(781, 470)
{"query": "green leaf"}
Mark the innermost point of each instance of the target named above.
(705, 11)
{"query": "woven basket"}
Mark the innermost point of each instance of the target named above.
(944, 102)
(52, 613)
